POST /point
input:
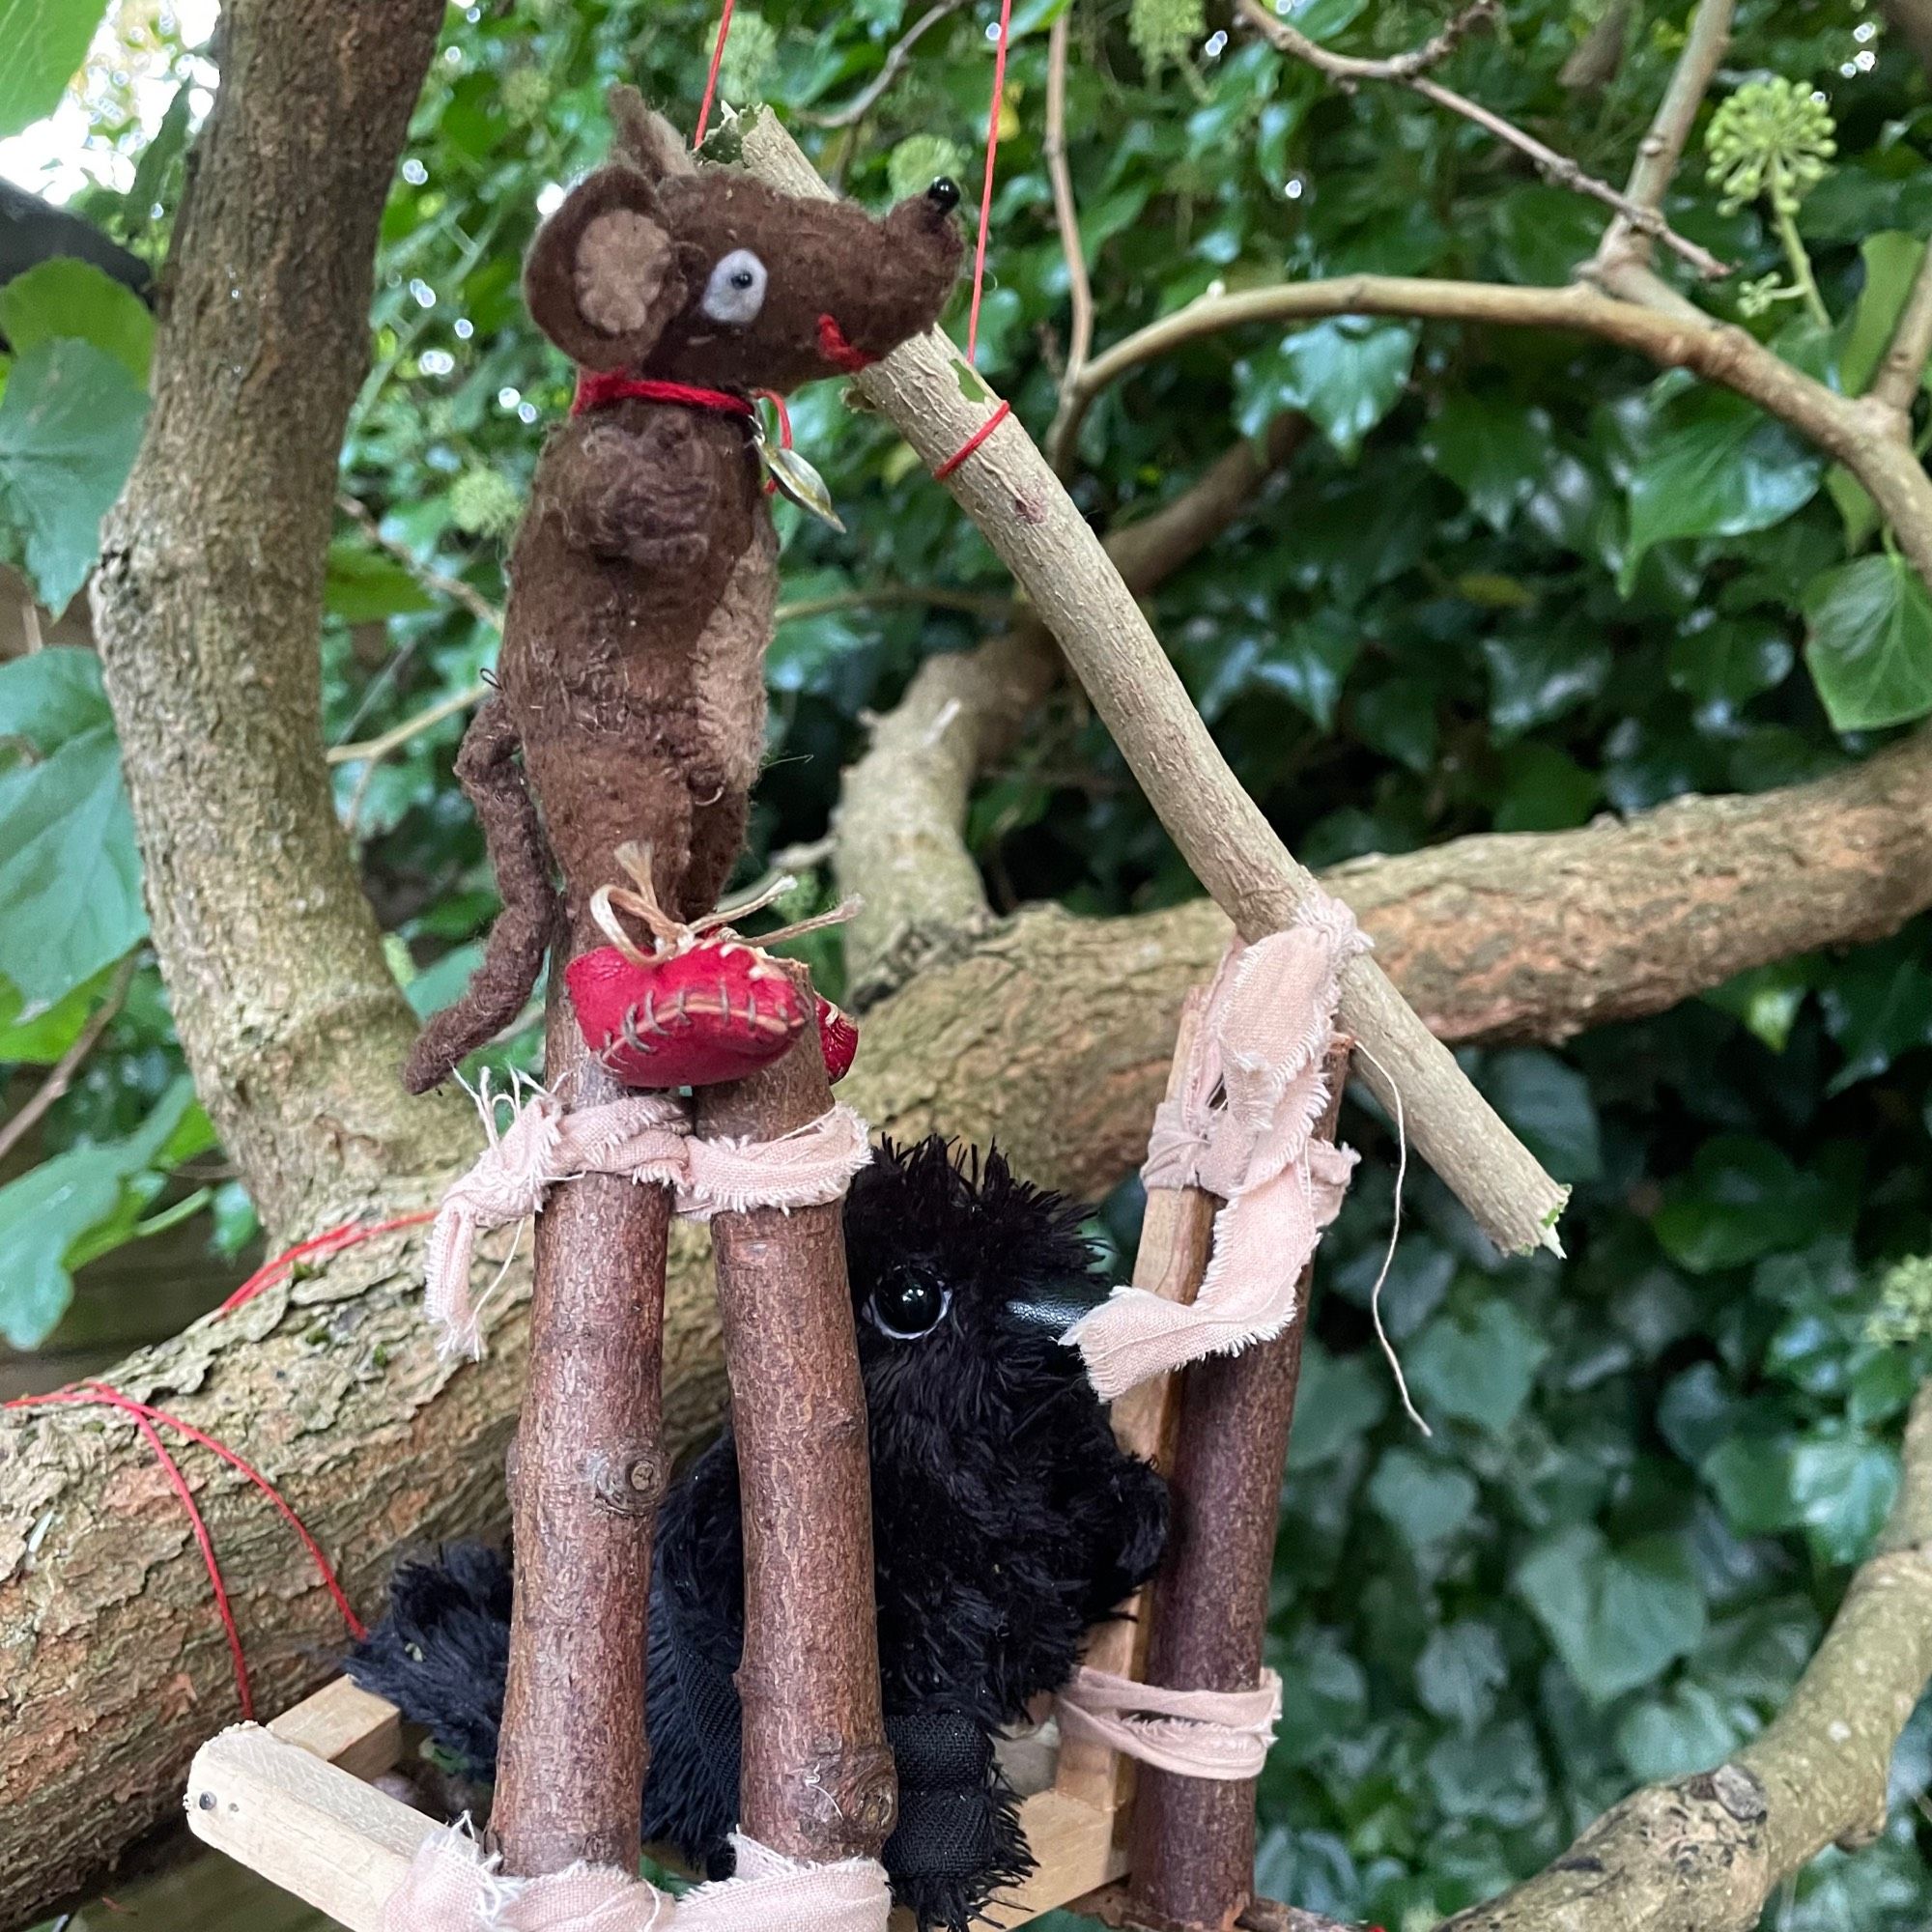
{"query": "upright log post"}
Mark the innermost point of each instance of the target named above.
(589, 1472)
(817, 1780)
(1170, 1261)
(1193, 1843)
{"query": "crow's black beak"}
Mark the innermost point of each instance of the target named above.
(1052, 1307)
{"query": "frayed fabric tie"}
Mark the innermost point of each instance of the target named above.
(1214, 1734)
(453, 1885)
(643, 1137)
(1243, 1127)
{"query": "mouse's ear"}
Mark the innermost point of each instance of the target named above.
(602, 279)
(648, 140)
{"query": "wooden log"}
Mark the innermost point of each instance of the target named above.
(1170, 1262)
(1193, 1839)
(817, 1777)
(590, 1470)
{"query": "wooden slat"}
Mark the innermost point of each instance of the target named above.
(309, 1827)
(1176, 1234)
(346, 1725)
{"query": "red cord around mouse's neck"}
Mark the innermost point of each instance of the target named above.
(599, 389)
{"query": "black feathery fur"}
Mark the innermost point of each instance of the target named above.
(1006, 1522)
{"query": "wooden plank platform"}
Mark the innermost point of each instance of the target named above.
(294, 1801)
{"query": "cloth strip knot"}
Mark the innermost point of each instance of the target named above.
(1216, 1734)
(646, 1137)
(453, 1887)
(1243, 1126)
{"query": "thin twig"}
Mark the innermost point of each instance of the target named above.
(60, 1076)
(1896, 383)
(1662, 147)
(1407, 71)
(861, 103)
(1079, 289)
(378, 747)
(427, 574)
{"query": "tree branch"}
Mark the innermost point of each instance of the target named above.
(1066, 215)
(427, 574)
(209, 608)
(1709, 1851)
(867, 98)
(1661, 148)
(1896, 386)
(1053, 1036)
(902, 805)
(943, 411)
(1858, 432)
(1409, 70)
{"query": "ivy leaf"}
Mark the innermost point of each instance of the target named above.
(71, 420)
(1549, 1106)
(47, 1212)
(1341, 1398)
(1480, 1371)
(1423, 1500)
(64, 298)
(69, 870)
(1719, 471)
(1689, 1731)
(363, 587)
(1617, 1617)
(1460, 1672)
(43, 44)
(1495, 453)
(1344, 374)
(1844, 1488)
(1890, 261)
(1869, 643)
(1743, 1198)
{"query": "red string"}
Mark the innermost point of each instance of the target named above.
(598, 388)
(322, 1245)
(778, 402)
(711, 79)
(972, 442)
(986, 186)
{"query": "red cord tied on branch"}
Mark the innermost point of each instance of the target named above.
(646, 1137)
(1215, 1734)
(453, 1885)
(1243, 1128)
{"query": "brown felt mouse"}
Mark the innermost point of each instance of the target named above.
(643, 578)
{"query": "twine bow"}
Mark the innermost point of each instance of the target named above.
(453, 1887)
(1243, 1127)
(645, 1136)
(1216, 1734)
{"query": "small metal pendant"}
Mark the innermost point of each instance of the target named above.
(796, 479)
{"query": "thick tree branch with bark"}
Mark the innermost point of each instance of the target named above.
(208, 608)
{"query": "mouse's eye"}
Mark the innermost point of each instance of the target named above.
(736, 290)
(908, 1304)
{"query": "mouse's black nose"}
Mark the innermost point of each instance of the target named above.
(944, 195)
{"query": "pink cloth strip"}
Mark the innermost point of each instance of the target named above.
(1219, 1734)
(453, 1887)
(1243, 1127)
(646, 1136)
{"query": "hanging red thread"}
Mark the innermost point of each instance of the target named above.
(319, 1247)
(711, 79)
(986, 186)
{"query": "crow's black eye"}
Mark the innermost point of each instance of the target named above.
(911, 1303)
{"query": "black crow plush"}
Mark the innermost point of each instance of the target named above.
(1006, 1523)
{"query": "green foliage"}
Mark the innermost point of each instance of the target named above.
(66, 299)
(1513, 583)
(71, 420)
(70, 874)
(41, 45)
